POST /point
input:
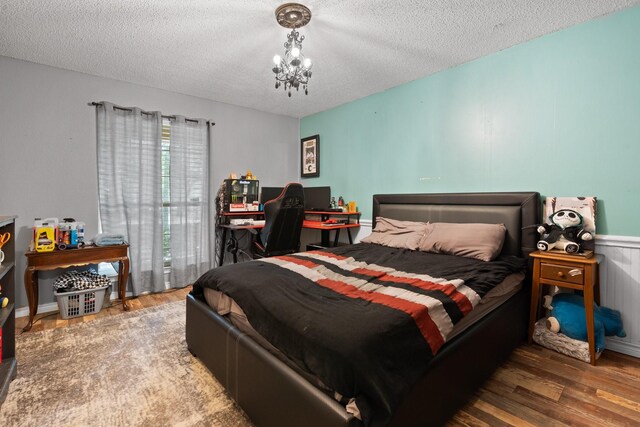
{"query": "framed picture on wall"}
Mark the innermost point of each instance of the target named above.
(310, 156)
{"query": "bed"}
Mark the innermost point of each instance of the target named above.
(274, 393)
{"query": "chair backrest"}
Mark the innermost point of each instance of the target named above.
(283, 221)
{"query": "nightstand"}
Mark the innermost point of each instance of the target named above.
(566, 271)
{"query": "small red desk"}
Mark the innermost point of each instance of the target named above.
(325, 228)
(37, 261)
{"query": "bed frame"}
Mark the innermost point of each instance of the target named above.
(272, 394)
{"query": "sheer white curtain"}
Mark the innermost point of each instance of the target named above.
(130, 188)
(189, 211)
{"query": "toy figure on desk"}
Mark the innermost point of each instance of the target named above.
(333, 203)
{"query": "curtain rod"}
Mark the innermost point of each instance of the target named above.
(95, 104)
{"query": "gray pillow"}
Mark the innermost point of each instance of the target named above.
(398, 234)
(472, 240)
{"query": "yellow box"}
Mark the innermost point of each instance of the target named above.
(45, 239)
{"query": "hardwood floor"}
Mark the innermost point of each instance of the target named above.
(540, 387)
(535, 387)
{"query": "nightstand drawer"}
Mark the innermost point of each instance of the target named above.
(562, 273)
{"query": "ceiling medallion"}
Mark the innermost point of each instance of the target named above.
(293, 70)
(293, 15)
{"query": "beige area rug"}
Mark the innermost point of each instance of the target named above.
(132, 369)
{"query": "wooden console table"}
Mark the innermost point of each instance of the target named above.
(37, 261)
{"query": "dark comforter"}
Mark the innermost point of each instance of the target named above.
(365, 319)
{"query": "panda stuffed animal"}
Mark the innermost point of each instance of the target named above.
(565, 232)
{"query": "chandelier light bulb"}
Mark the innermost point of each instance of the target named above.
(307, 63)
(277, 59)
(295, 52)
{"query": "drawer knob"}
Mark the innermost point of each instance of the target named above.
(560, 274)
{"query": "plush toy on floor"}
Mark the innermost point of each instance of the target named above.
(568, 316)
(564, 232)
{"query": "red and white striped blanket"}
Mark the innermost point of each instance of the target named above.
(400, 290)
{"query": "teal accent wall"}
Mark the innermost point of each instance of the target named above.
(559, 115)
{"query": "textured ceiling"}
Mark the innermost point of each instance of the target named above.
(222, 49)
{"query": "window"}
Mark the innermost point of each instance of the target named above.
(148, 173)
(166, 192)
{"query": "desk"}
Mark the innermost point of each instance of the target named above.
(232, 228)
(224, 218)
(315, 225)
(37, 261)
(325, 229)
(222, 223)
(242, 214)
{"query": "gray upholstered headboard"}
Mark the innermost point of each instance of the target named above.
(516, 211)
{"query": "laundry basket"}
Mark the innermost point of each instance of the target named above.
(80, 303)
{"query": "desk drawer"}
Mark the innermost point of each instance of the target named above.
(562, 273)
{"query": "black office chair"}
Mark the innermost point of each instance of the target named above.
(283, 222)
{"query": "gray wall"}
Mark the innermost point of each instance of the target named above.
(48, 145)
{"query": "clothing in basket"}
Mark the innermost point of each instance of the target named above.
(80, 280)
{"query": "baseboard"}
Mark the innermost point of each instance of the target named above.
(42, 308)
(53, 306)
(624, 347)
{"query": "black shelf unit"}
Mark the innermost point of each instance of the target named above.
(8, 364)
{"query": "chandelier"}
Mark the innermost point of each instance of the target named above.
(292, 70)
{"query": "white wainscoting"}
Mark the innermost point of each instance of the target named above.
(364, 230)
(620, 287)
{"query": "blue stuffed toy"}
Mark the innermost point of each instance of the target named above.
(568, 316)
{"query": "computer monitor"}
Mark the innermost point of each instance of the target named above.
(317, 198)
(269, 193)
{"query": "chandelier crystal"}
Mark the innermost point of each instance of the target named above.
(293, 70)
